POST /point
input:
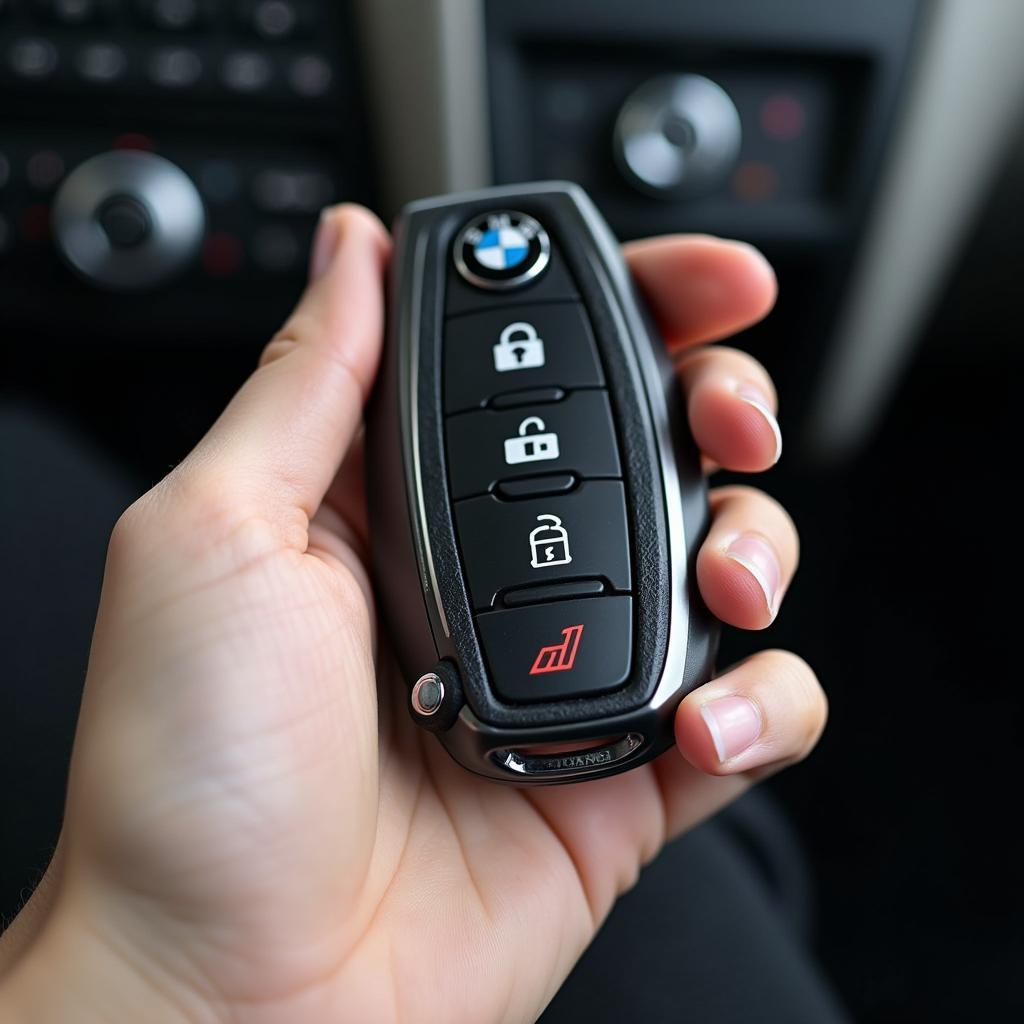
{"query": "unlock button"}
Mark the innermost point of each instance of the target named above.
(576, 436)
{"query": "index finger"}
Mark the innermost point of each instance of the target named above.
(701, 288)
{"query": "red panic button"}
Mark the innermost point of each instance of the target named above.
(558, 649)
(559, 657)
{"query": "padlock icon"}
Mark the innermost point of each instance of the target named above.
(549, 544)
(527, 447)
(518, 353)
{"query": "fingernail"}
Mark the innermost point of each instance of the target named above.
(757, 399)
(324, 246)
(758, 557)
(734, 723)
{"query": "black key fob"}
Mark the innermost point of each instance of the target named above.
(536, 498)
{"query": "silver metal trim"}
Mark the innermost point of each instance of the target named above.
(419, 260)
(502, 284)
(418, 706)
(571, 764)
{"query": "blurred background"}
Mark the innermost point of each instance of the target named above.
(162, 165)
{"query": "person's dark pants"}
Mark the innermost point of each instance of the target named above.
(715, 932)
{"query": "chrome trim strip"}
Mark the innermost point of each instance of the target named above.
(571, 764)
(416, 310)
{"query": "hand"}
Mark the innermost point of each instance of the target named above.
(255, 830)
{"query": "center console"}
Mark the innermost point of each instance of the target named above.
(163, 162)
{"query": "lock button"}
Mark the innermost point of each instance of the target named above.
(517, 348)
(576, 435)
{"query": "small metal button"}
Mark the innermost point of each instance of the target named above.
(428, 694)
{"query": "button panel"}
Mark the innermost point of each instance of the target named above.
(575, 436)
(534, 470)
(558, 650)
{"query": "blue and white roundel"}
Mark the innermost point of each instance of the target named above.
(502, 249)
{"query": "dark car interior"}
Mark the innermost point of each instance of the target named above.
(873, 151)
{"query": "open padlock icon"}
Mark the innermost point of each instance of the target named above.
(518, 353)
(549, 542)
(527, 447)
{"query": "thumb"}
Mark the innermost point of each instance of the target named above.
(283, 436)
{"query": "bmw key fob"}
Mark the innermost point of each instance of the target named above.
(536, 498)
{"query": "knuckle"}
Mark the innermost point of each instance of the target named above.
(206, 500)
(299, 329)
(130, 524)
(278, 347)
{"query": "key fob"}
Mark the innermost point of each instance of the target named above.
(536, 498)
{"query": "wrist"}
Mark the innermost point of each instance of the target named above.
(75, 971)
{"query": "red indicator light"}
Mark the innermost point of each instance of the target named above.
(134, 140)
(783, 117)
(35, 223)
(222, 254)
(755, 182)
(558, 657)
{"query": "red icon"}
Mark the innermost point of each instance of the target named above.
(558, 657)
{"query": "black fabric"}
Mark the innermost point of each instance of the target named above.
(706, 937)
(58, 503)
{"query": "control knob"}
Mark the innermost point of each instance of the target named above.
(677, 136)
(128, 220)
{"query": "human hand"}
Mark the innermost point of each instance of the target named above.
(255, 830)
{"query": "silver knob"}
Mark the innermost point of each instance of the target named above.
(677, 136)
(128, 220)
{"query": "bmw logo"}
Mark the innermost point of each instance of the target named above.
(501, 249)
